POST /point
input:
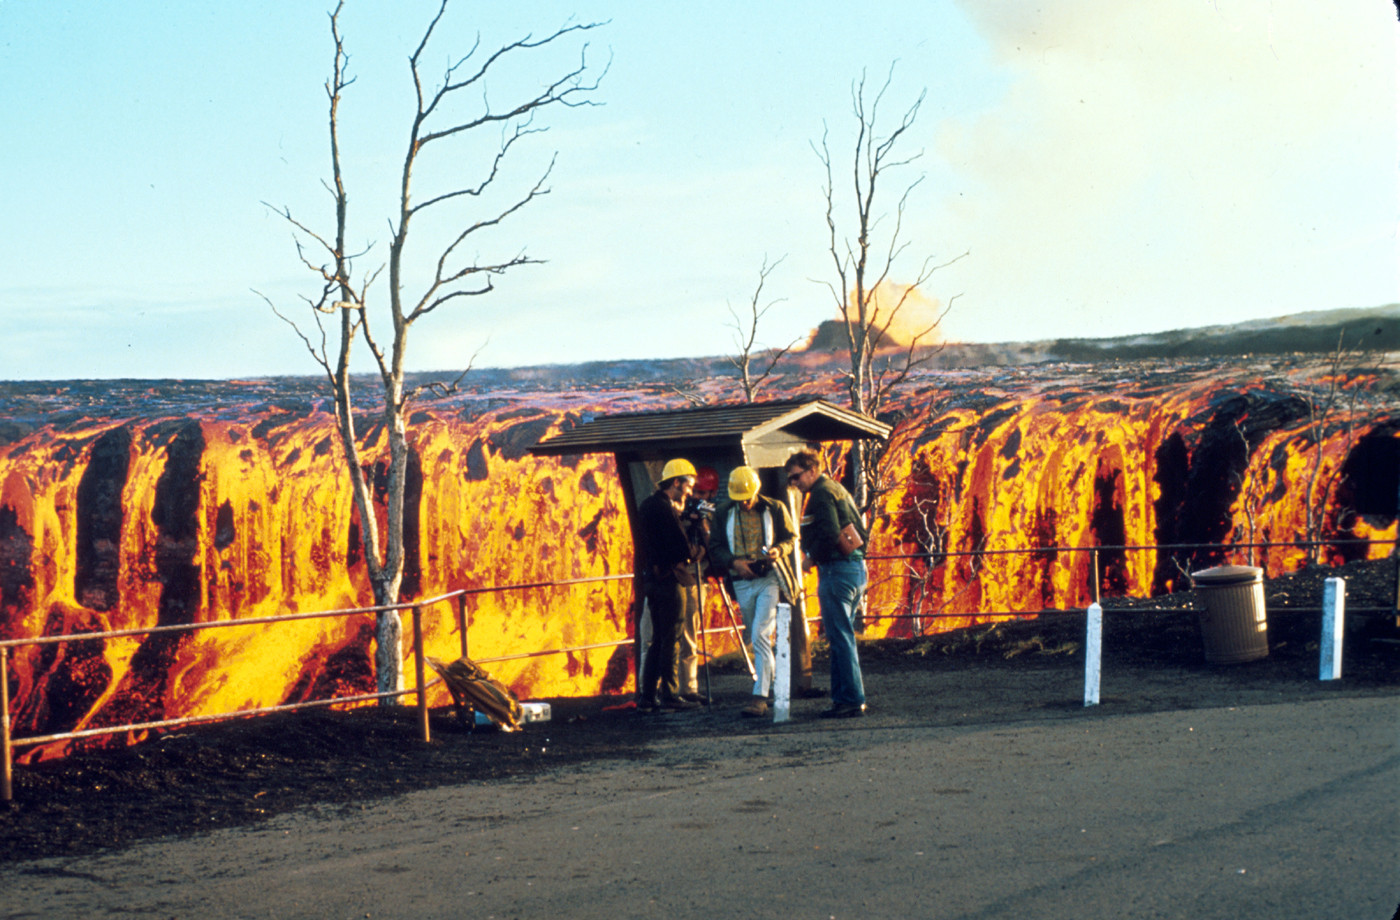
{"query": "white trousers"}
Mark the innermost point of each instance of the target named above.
(758, 603)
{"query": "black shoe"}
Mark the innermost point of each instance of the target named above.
(677, 702)
(695, 698)
(809, 693)
(648, 705)
(844, 711)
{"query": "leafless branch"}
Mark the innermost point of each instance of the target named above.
(1336, 407)
(569, 90)
(445, 277)
(689, 394)
(746, 336)
(1250, 489)
(328, 258)
(440, 389)
(863, 266)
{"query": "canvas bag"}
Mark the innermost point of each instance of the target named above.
(849, 539)
(472, 687)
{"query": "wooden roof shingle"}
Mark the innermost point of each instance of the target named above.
(712, 426)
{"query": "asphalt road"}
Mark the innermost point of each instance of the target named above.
(1264, 809)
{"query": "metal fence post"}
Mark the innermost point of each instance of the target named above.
(462, 621)
(7, 773)
(1094, 561)
(418, 672)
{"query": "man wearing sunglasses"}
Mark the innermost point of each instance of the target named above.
(833, 537)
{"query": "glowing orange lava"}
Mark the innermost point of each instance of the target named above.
(239, 515)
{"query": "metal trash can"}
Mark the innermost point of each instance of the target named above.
(1234, 626)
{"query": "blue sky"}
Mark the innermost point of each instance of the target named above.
(1108, 168)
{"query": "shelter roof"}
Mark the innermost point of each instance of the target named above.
(714, 426)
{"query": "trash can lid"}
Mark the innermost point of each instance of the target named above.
(1228, 575)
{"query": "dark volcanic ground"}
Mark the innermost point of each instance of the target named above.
(243, 772)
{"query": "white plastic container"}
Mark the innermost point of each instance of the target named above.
(529, 712)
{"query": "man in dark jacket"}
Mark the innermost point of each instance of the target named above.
(841, 574)
(751, 542)
(665, 559)
(695, 519)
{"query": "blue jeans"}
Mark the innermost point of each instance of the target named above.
(840, 585)
(758, 602)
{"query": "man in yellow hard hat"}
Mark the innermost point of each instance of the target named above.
(665, 558)
(752, 540)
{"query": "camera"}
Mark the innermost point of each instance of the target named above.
(761, 565)
(699, 507)
(696, 519)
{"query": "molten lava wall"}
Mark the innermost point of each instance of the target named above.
(243, 512)
(976, 469)
(144, 523)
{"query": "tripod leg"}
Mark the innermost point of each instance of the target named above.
(734, 625)
(700, 628)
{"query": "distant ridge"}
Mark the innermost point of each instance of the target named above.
(1373, 329)
(1316, 332)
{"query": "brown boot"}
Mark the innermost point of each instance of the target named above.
(757, 708)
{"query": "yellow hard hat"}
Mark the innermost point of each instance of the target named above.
(677, 467)
(743, 483)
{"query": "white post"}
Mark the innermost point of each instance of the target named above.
(1093, 645)
(643, 643)
(782, 665)
(1334, 602)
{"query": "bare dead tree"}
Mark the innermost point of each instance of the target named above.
(747, 362)
(880, 476)
(1334, 407)
(448, 113)
(1251, 487)
(932, 536)
(865, 256)
(933, 521)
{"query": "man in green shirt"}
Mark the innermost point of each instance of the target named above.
(841, 574)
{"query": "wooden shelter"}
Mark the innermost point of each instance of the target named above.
(761, 435)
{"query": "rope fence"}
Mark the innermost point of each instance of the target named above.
(1095, 578)
(415, 608)
(8, 743)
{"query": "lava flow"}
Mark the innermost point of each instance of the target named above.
(173, 521)
(1066, 465)
(238, 511)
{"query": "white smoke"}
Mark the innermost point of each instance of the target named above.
(1154, 165)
